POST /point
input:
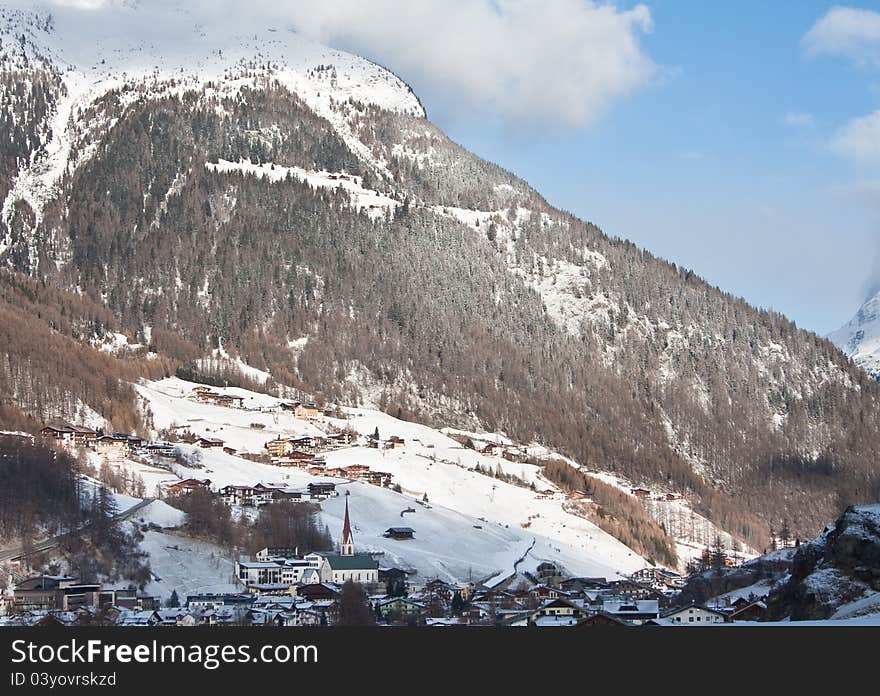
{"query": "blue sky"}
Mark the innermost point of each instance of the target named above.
(722, 162)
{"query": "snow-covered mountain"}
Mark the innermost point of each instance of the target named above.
(177, 189)
(859, 338)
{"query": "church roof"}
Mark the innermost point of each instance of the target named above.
(346, 527)
(359, 561)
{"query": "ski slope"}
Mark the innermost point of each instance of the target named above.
(473, 526)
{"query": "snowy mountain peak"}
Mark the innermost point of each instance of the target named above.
(859, 338)
(125, 39)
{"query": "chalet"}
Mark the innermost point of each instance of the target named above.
(638, 590)
(493, 449)
(395, 442)
(309, 412)
(113, 446)
(209, 443)
(402, 607)
(386, 574)
(264, 493)
(321, 490)
(229, 401)
(280, 447)
(377, 478)
(317, 591)
(634, 612)
(84, 437)
(542, 592)
(601, 618)
(338, 472)
(580, 584)
(695, 615)
(301, 456)
(237, 495)
(512, 454)
(316, 468)
(356, 471)
(230, 450)
(288, 495)
(188, 486)
(754, 611)
(641, 493)
(346, 437)
(290, 463)
(159, 449)
(557, 611)
(62, 434)
(440, 588)
(399, 533)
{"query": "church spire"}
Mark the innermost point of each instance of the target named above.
(346, 548)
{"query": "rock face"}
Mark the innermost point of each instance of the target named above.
(841, 567)
(714, 582)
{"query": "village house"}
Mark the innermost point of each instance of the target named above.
(70, 435)
(287, 446)
(752, 611)
(492, 449)
(601, 618)
(695, 615)
(209, 443)
(356, 471)
(115, 447)
(635, 612)
(237, 495)
(377, 478)
(558, 608)
(309, 412)
(395, 442)
(59, 592)
(187, 486)
(399, 533)
(402, 608)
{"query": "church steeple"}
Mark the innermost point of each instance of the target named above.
(346, 548)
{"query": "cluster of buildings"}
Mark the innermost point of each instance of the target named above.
(304, 452)
(115, 446)
(280, 587)
(206, 395)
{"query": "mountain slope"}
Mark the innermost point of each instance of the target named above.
(252, 192)
(859, 338)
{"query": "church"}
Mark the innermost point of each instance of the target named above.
(348, 565)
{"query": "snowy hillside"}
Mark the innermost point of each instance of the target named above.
(152, 54)
(472, 525)
(859, 338)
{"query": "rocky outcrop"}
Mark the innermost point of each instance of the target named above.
(712, 583)
(839, 568)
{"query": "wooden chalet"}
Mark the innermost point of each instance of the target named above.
(188, 486)
(399, 533)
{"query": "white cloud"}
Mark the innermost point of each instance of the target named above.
(859, 139)
(846, 31)
(527, 61)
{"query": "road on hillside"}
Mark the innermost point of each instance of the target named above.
(16, 553)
